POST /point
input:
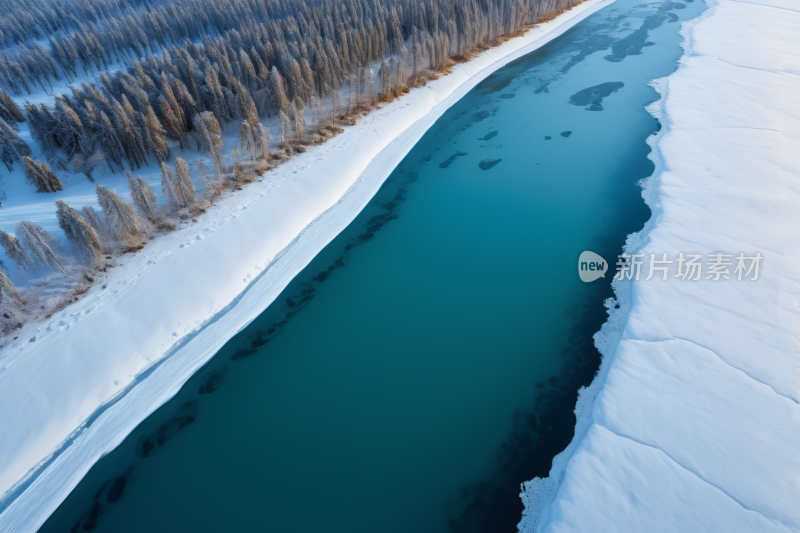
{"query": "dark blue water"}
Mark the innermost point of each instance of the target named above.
(427, 361)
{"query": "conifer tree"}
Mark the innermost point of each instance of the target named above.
(299, 120)
(247, 107)
(79, 164)
(6, 286)
(212, 189)
(14, 250)
(246, 138)
(184, 182)
(157, 135)
(10, 107)
(103, 231)
(37, 243)
(286, 126)
(369, 85)
(11, 146)
(261, 141)
(177, 188)
(143, 197)
(168, 187)
(125, 224)
(40, 175)
(79, 233)
(277, 92)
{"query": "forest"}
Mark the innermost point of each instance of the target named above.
(148, 78)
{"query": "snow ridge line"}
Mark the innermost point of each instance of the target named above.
(723, 361)
(789, 72)
(764, 5)
(695, 474)
(395, 130)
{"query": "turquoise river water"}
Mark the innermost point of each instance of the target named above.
(443, 335)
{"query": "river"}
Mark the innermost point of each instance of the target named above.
(428, 360)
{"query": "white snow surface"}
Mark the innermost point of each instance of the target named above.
(75, 385)
(693, 422)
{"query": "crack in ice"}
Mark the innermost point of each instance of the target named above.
(766, 5)
(698, 476)
(772, 71)
(725, 362)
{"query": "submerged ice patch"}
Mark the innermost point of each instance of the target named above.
(592, 97)
(486, 164)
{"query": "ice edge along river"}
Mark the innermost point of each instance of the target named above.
(82, 380)
(693, 422)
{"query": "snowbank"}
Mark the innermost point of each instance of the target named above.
(80, 382)
(693, 423)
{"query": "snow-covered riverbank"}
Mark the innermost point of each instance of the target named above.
(693, 422)
(81, 381)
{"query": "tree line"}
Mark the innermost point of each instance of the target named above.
(96, 33)
(193, 68)
(237, 59)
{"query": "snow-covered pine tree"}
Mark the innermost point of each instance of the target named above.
(299, 120)
(168, 187)
(79, 233)
(6, 286)
(40, 175)
(369, 85)
(144, 197)
(37, 242)
(286, 128)
(212, 189)
(261, 138)
(125, 224)
(157, 134)
(10, 107)
(14, 250)
(209, 130)
(6, 116)
(277, 91)
(11, 146)
(99, 225)
(236, 160)
(246, 138)
(386, 84)
(171, 122)
(183, 181)
(169, 97)
(247, 108)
